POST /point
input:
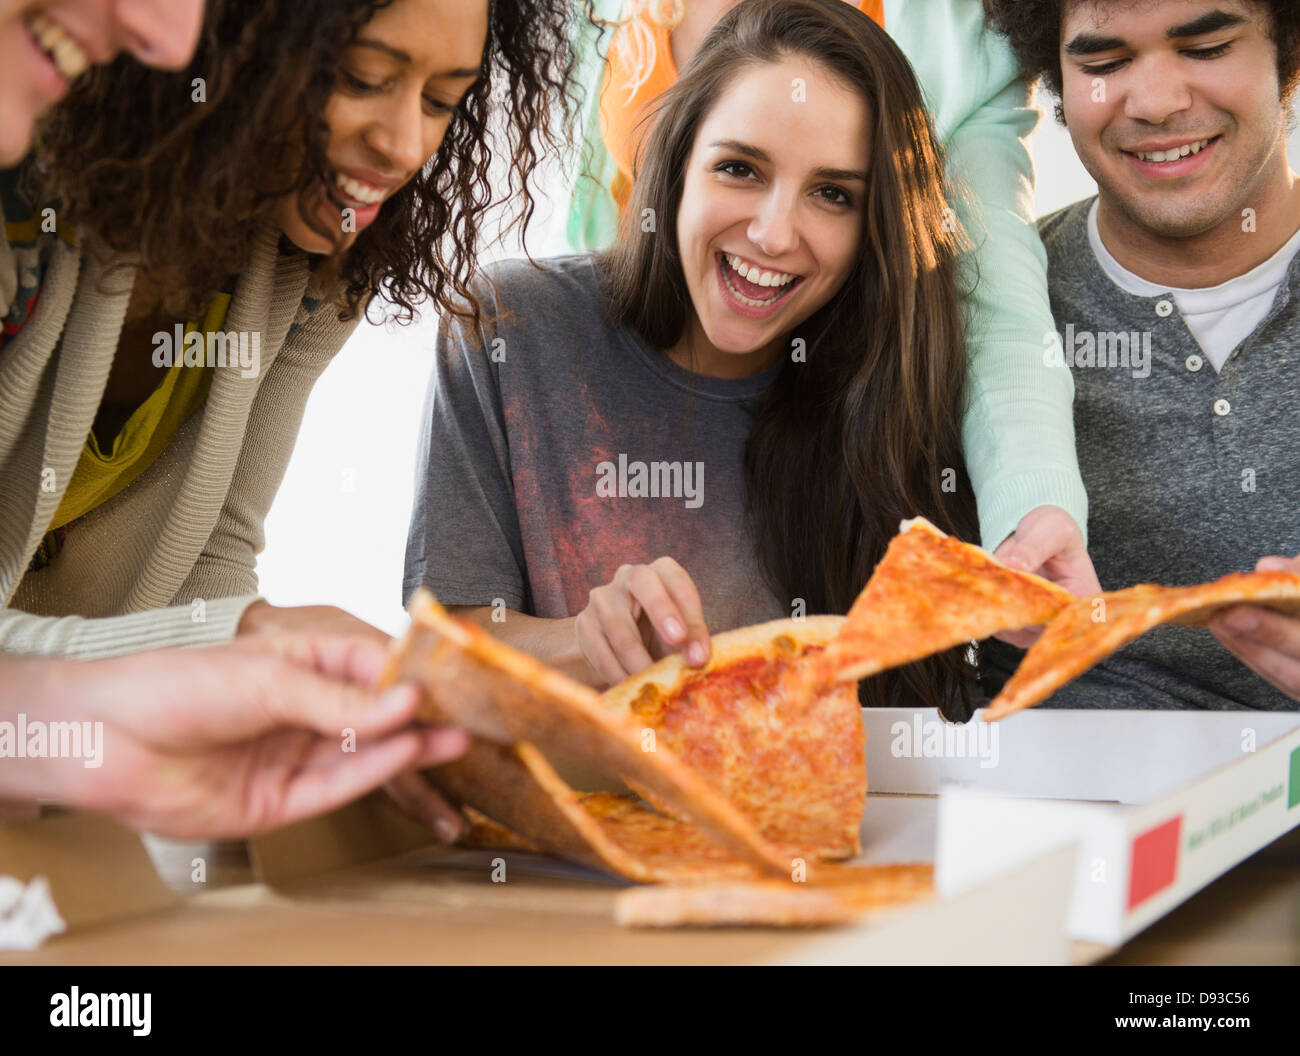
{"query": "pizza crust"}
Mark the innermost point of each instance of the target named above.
(726, 648)
(837, 895)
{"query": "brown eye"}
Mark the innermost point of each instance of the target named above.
(834, 195)
(730, 167)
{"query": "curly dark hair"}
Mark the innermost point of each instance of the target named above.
(132, 160)
(1034, 29)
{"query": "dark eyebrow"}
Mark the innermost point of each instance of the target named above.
(1210, 22)
(742, 148)
(841, 174)
(405, 59)
(391, 52)
(762, 155)
(1092, 44)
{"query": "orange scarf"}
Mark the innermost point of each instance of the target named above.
(620, 109)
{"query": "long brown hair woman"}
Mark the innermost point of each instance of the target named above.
(724, 418)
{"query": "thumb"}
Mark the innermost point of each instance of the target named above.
(1033, 545)
(308, 700)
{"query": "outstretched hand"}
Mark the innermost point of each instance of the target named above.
(1048, 543)
(239, 739)
(1265, 641)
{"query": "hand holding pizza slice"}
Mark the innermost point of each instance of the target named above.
(931, 592)
(1089, 629)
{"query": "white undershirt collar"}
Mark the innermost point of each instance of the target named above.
(1219, 317)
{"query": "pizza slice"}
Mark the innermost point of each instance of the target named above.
(793, 762)
(512, 702)
(931, 592)
(518, 802)
(692, 881)
(1088, 630)
(838, 895)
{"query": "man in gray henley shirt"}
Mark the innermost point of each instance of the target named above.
(1175, 294)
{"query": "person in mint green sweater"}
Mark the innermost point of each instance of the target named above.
(1017, 430)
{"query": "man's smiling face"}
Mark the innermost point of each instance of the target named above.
(1174, 107)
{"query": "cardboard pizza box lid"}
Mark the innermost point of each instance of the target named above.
(1162, 803)
(97, 870)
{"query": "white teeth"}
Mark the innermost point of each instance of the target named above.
(754, 276)
(66, 54)
(357, 191)
(757, 276)
(1174, 153)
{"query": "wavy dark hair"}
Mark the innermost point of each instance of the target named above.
(865, 432)
(1033, 28)
(134, 161)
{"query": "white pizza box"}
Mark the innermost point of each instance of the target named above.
(1161, 803)
(363, 886)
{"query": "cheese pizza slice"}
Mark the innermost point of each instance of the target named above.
(502, 695)
(518, 802)
(1088, 630)
(696, 882)
(931, 592)
(836, 895)
(792, 759)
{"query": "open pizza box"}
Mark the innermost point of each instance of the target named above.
(1035, 843)
(565, 912)
(1160, 803)
(1093, 823)
(364, 885)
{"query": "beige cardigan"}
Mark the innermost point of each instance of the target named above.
(132, 572)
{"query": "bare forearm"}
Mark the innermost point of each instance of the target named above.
(554, 642)
(34, 692)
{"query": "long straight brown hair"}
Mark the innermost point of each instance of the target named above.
(866, 431)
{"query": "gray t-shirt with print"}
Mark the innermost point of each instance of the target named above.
(561, 447)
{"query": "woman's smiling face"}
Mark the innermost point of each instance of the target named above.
(45, 45)
(398, 84)
(770, 222)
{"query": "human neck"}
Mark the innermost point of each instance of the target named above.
(1224, 252)
(696, 353)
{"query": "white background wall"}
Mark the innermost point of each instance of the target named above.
(337, 532)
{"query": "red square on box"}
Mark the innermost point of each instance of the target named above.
(1155, 861)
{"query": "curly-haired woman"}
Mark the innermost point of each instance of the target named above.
(185, 254)
(225, 741)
